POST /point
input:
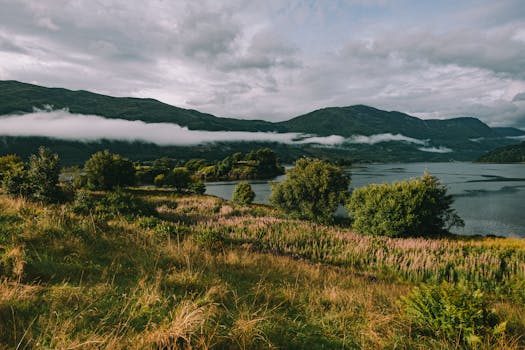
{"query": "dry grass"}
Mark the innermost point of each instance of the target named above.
(81, 282)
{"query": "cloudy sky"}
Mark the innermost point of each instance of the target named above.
(276, 59)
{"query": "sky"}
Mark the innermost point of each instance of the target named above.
(273, 59)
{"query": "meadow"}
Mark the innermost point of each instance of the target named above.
(203, 273)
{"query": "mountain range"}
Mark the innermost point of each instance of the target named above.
(398, 136)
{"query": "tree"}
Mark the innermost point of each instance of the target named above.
(179, 178)
(267, 163)
(37, 180)
(417, 207)
(313, 190)
(43, 173)
(243, 193)
(105, 171)
(8, 163)
(15, 182)
(198, 187)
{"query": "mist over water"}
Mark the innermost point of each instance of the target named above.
(489, 197)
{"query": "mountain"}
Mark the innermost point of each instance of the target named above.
(435, 140)
(17, 97)
(506, 154)
(365, 120)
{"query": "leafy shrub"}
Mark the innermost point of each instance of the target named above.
(9, 162)
(415, 207)
(15, 182)
(84, 202)
(43, 173)
(124, 203)
(105, 171)
(454, 313)
(211, 239)
(198, 187)
(116, 202)
(313, 190)
(243, 193)
(37, 180)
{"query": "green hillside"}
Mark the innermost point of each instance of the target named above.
(467, 138)
(365, 120)
(18, 97)
(506, 154)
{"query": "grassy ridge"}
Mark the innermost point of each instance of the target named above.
(208, 274)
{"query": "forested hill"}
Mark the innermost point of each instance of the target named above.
(431, 140)
(365, 120)
(506, 154)
(16, 97)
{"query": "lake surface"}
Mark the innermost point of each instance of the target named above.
(489, 197)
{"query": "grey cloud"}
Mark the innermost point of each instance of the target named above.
(519, 97)
(233, 59)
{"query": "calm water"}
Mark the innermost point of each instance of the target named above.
(489, 197)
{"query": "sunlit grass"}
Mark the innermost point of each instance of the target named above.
(255, 280)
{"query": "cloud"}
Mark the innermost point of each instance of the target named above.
(519, 97)
(273, 60)
(378, 138)
(62, 124)
(439, 149)
(331, 140)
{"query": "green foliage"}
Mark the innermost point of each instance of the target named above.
(198, 187)
(243, 193)
(8, 163)
(159, 180)
(179, 178)
(313, 190)
(194, 165)
(105, 171)
(259, 164)
(117, 202)
(125, 203)
(506, 154)
(43, 173)
(37, 180)
(457, 314)
(417, 207)
(15, 182)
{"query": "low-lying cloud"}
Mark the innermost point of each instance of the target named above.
(378, 138)
(62, 124)
(439, 149)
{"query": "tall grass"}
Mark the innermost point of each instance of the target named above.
(206, 274)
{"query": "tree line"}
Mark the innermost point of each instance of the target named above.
(312, 190)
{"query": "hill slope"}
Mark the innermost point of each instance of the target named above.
(18, 97)
(365, 120)
(506, 154)
(450, 139)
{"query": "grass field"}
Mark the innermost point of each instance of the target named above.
(204, 274)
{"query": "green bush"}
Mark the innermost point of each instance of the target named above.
(243, 193)
(313, 190)
(9, 162)
(37, 180)
(417, 207)
(15, 182)
(124, 203)
(112, 203)
(43, 173)
(455, 314)
(198, 187)
(105, 171)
